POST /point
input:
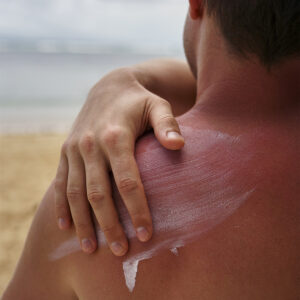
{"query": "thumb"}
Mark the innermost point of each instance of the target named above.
(165, 126)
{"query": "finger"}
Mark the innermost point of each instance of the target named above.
(61, 203)
(165, 126)
(79, 204)
(125, 170)
(99, 195)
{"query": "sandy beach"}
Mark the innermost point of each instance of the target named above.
(27, 165)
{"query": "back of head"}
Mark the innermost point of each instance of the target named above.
(269, 29)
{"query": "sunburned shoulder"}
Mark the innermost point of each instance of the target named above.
(219, 181)
(219, 209)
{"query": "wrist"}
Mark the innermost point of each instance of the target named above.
(144, 77)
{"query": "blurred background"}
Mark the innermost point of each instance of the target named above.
(51, 53)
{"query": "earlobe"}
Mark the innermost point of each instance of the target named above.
(193, 14)
(195, 9)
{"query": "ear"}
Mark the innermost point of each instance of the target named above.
(196, 9)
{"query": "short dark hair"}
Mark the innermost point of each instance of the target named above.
(270, 29)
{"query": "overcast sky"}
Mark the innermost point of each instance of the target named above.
(122, 21)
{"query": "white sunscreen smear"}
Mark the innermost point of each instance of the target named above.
(189, 192)
(174, 251)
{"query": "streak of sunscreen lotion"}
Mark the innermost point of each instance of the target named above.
(189, 192)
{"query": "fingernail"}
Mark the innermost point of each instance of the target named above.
(62, 224)
(87, 245)
(173, 135)
(117, 248)
(142, 234)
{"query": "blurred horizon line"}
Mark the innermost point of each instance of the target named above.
(84, 46)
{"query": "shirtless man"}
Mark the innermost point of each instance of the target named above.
(226, 204)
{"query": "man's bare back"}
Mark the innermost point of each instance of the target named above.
(238, 238)
(225, 208)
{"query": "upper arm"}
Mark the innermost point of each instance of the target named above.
(36, 276)
(52, 265)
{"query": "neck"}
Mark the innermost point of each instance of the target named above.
(238, 85)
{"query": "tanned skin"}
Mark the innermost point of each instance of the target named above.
(254, 253)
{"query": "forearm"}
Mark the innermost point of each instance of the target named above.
(170, 79)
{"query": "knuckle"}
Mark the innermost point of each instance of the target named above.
(139, 210)
(72, 145)
(166, 104)
(94, 89)
(112, 135)
(74, 194)
(109, 228)
(61, 209)
(81, 226)
(167, 120)
(140, 216)
(65, 147)
(87, 142)
(127, 185)
(95, 196)
(59, 184)
(162, 102)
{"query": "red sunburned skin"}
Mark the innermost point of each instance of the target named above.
(189, 191)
